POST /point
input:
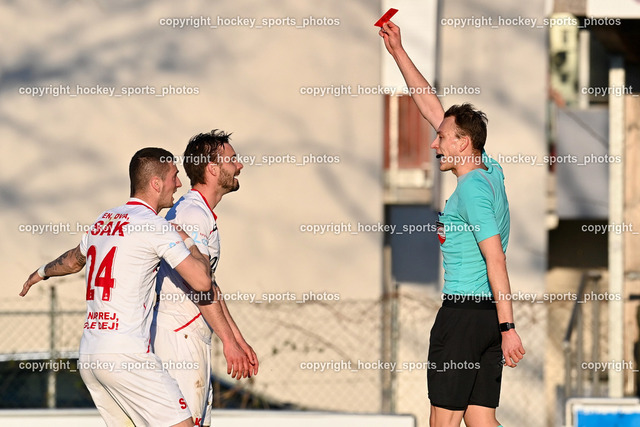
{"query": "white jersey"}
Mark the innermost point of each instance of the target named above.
(123, 250)
(175, 309)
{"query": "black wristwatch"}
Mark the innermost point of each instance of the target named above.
(504, 327)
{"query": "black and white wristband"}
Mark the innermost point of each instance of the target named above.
(41, 272)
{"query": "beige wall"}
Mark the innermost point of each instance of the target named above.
(65, 159)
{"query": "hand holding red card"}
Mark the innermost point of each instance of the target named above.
(386, 17)
(390, 33)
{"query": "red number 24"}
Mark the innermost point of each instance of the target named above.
(104, 277)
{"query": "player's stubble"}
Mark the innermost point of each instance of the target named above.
(228, 181)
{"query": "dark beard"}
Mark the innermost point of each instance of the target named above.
(228, 182)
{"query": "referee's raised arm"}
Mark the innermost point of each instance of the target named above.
(423, 94)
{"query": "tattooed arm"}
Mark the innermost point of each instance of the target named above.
(69, 262)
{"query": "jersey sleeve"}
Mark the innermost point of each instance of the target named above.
(195, 223)
(83, 243)
(169, 245)
(476, 207)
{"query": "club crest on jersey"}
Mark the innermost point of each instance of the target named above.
(440, 231)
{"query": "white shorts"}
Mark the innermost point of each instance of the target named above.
(187, 359)
(133, 389)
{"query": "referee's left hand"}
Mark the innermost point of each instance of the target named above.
(512, 349)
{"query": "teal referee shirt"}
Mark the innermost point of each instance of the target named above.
(477, 209)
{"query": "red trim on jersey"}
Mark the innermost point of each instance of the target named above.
(188, 323)
(142, 204)
(208, 205)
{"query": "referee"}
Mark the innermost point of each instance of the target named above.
(473, 334)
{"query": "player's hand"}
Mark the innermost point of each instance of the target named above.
(32, 280)
(512, 349)
(390, 32)
(237, 361)
(253, 358)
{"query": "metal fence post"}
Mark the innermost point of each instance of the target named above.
(386, 405)
(51, 378)
(580, 352)
(595, 344)
(395, 336)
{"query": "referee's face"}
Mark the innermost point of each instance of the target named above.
(445, 144)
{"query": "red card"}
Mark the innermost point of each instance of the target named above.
(386, 17)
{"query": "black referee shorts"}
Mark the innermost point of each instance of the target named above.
(465, 354)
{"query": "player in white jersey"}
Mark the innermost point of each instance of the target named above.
(179, 333)
(123, 249)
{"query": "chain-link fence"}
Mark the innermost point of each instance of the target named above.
(313, 355)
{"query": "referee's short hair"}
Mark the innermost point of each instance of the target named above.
(469, 122)
(147, 163)
(202, 149)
